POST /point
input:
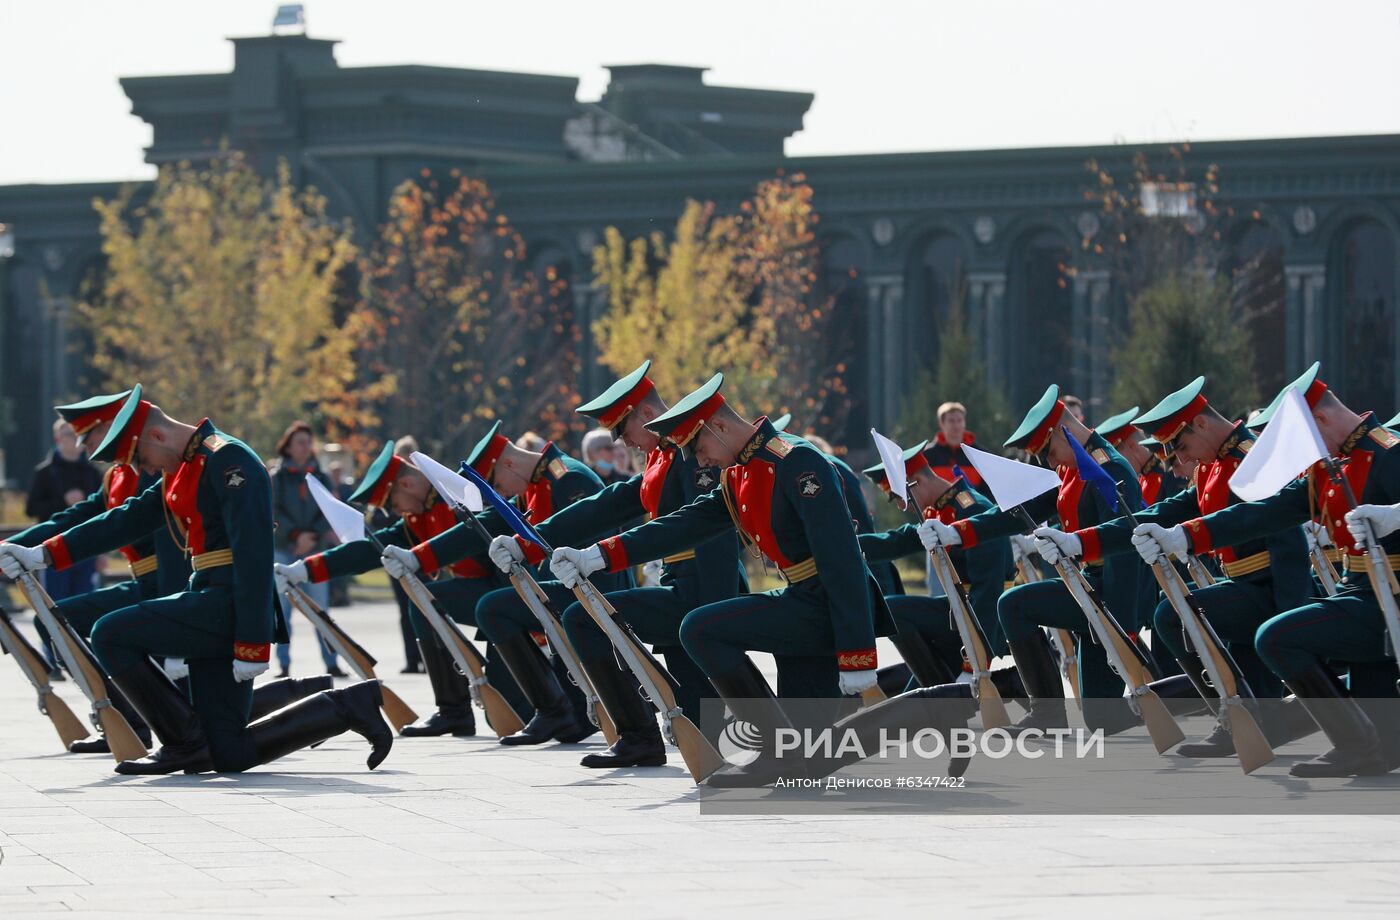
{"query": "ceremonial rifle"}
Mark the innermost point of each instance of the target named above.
(87, 673)
(1322, 566)
(974, 641)
(1199, 573)
(527, 588)
(349, 526)
(1063, 639)
(361, 662)
(700, 757)
(69, 727)
(1224, 675)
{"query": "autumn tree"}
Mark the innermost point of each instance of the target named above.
(731, 292)
(224, 293)
(462, 332)
(1163, 238)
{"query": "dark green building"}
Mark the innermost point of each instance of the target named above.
(1314, 235)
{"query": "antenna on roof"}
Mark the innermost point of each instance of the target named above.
(290, 20)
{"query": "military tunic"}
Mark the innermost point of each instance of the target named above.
(1265, 575)
(786, 499)
(218, 504)
(1122, 582)
(1349, 627)
(984, 568)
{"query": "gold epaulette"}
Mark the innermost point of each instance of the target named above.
(214, 442)
(779, 446)
(1384, 438)
(556, 468)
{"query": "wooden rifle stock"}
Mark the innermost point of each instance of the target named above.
(503, 719)
(1326, 572)
(534, 598)
(361, 662)
(700, 757)
(69, 727)
(87, 673)
(989, 701)
(1251, 745)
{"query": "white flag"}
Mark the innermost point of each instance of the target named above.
(348, 524)
(1012, 482)
(893, 458)
(1288, 446)
(452, 486)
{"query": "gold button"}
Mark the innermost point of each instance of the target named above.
(743, 507)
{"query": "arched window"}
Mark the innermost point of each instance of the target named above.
(1255, 269)
(1363, 265)
(1041, 313)
(934, 280)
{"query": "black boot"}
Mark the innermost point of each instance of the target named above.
(97, 744)
(554, 718)
(273, 695)
(639, 741)
(323, 716)
(904, 715)
(1009, 685)
(928, 669)
(452, 693)
(747, 695)
(172, 719)
(1356, 746)
(1036, 666)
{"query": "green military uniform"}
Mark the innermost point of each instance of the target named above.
(219, 502)
(557, 482)
(786, 500)
(1347, 629)
(923, 622)
(1121, 582)
(458, 587)
(1262, 576)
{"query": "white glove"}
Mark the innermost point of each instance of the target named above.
(1153, 542)
(1022, 547)
(247, 670)
(572, 566)
(1054, 545)
(1317, 535)
(291, 574)
(16, 560)
(934, 533)
(1380, 520)
(398, 561)
(176, 668)
(505, 551)
(854, 682)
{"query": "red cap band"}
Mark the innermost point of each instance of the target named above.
(620, 409)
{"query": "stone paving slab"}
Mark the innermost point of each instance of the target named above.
(449, 827)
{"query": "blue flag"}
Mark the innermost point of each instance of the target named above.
(504, 508)
(1092, 473)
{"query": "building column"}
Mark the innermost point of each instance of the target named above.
(1304, 332)
(885, 347)
(590, 302)
(1090, 326)
(986, 317)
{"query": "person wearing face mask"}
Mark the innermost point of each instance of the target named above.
(215, 496)
(301, 530)
(392, 482)
(600, 455)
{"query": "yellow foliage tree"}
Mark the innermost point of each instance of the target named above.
(222, 293)
(731, 293)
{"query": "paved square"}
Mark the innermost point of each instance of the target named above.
(467, 827)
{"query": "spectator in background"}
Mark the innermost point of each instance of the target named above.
(532, 441)
(301, 531)
(946, 450)
(1075, 405)
(65, 478)
(624, 459)
(413, 661)
(598, 454)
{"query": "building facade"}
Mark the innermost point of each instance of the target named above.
(1314, 236)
